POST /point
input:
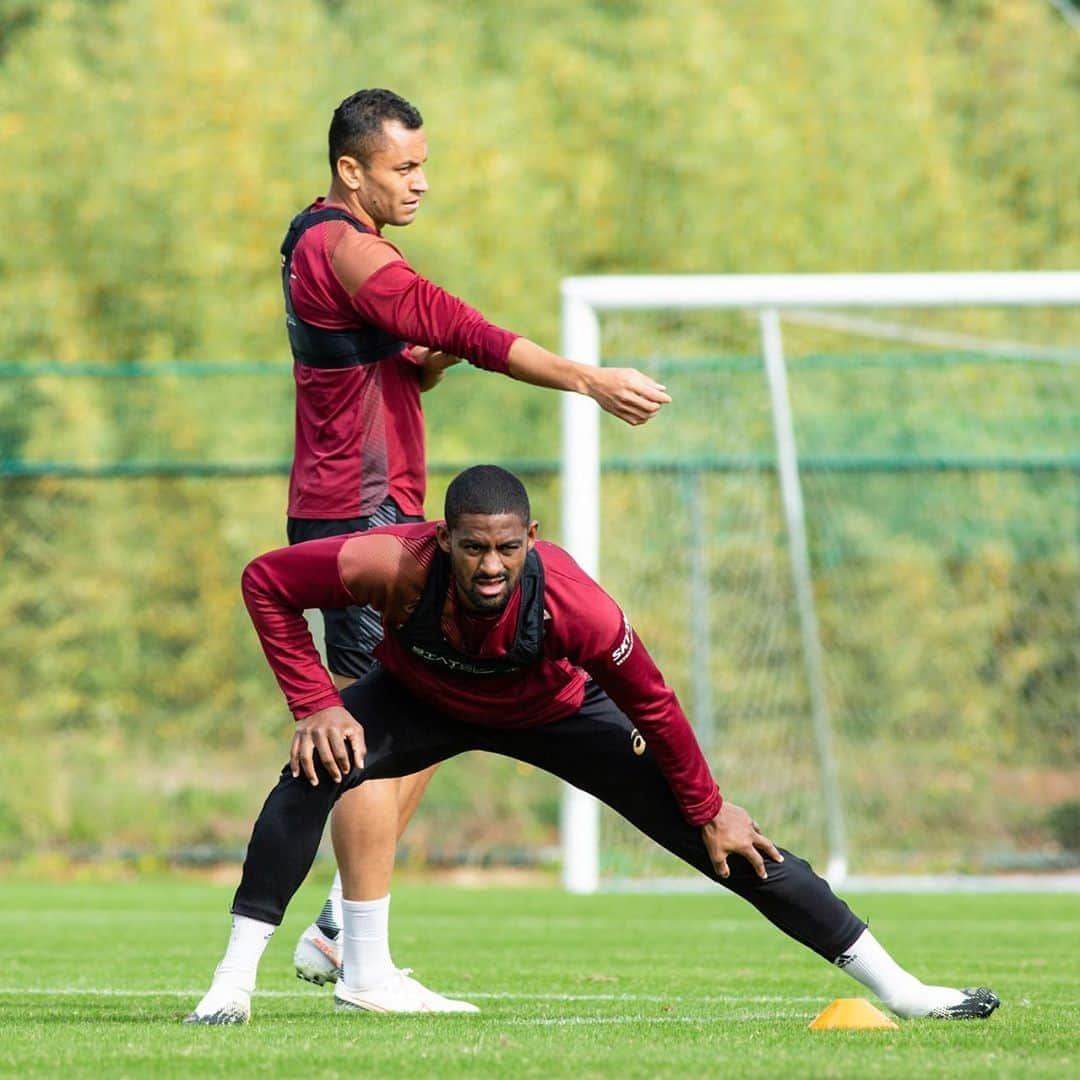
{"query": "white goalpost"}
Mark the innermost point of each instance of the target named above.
(769, 298)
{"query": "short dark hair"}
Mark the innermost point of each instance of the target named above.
(485, 489)
(357, 126)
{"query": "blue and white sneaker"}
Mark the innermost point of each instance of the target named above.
(317, 958)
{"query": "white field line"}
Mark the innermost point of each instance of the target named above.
(583, 1021)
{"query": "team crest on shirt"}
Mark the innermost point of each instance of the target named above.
(622, 651)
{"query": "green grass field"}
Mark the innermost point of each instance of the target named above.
(97, 975)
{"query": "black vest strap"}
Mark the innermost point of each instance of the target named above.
(422, 632)
(311, 345)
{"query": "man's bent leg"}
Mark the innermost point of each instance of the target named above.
(367, 822)
(364, 839)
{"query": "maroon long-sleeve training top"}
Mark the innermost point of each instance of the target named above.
(585, 634)
(360, 430)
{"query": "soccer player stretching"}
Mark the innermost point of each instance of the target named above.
(497, 641)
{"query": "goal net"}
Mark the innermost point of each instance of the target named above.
(852, 544)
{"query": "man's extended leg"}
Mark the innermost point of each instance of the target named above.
(599, 751)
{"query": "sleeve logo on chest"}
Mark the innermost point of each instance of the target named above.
(622, 651)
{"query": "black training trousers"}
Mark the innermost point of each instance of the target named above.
(597, 749)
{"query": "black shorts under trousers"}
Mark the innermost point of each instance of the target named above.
(597, 750)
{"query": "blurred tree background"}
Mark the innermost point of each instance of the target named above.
(152, 157)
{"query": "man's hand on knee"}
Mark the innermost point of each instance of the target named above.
(734, 832)
(328, 734)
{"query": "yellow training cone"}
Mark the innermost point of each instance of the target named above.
(851, 1013)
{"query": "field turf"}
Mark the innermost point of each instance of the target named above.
(96, 977)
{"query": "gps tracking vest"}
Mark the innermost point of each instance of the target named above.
(422, 632)
(311, 345)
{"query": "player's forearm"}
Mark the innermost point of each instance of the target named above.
(672, 741)
(531, 363)
(277, 590)
(624, 392)
(632, 680)
(682, 762)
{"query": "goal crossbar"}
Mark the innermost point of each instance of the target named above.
(655, 291)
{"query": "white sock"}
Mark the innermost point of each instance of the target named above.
(869, 963)
(329, 920)
(240, 963)
(365, 954)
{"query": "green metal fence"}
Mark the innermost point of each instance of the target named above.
(943, 501)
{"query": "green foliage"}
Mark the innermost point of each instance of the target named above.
(1064, 821)
(153, 154)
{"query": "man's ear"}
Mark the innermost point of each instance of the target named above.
(442, 536)
(349, 172)
(534, 527)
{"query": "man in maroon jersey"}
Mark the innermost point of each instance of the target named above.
(494, 640)
(352, 303)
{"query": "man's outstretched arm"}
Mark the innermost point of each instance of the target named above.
(397, 299)
(624, 392)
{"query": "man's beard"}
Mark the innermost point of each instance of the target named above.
(485, 603)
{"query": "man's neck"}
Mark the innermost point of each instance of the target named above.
(342, 196)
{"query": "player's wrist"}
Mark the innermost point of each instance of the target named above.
(303, 710)
(587, 379)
